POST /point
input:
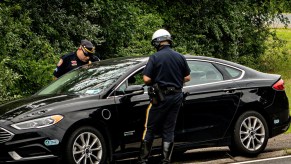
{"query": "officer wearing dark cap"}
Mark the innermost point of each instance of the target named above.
(84, 55)
(165, 73)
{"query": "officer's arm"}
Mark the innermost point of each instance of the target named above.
(187, 78)
(59, 71)
(147, 80)
(94, 58)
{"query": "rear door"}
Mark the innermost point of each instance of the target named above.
(211, 103)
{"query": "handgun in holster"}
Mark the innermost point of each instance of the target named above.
(152, 95)
(156, 94)
(159, 92)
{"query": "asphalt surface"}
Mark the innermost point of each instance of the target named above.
(277, 24)
(277, 147)
(274, 160)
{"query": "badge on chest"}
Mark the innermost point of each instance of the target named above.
(74, 63)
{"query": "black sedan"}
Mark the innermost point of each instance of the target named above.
(96, 113)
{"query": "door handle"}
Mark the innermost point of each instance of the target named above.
(230, 90)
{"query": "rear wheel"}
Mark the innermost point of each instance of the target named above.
(85, 145)
(251, 134)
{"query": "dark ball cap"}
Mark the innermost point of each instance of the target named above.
(88, 46)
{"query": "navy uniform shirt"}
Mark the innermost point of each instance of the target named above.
(94, 58)
(68, 62)
(167, 68)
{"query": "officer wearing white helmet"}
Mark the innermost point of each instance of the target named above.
(165, 73)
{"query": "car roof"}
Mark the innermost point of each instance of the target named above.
(143, 60)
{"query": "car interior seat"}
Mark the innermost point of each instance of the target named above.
(211, 76)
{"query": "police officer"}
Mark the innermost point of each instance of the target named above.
(168, 70)
(84, 55)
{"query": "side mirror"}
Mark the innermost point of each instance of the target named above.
(134, 90)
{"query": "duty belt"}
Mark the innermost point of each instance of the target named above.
(170, 90)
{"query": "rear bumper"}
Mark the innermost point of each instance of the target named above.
(279, 114)
(281, 128)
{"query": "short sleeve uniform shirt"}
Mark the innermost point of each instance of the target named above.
(167, 68)
(68, 62)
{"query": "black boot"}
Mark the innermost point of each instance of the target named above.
(167, 152)
(145, 150)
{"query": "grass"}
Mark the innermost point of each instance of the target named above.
(285, 34)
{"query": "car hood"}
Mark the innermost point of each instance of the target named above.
(31, 106)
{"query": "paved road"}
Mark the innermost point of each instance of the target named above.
(274, 160)
(278, 24)
(277, 147)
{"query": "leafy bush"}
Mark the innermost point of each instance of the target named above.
(275, 58)
(286, 6)
(35, 33)
(25, 57)
(8, 78)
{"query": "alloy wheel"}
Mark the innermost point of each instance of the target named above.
(87, 149)
(252, 133)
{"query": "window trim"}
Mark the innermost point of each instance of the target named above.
(222, 81)
(127, 77)
(202, 60)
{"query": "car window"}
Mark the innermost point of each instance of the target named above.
(135, 79)
(234, 73)
(229, 72)
(90, 79)
(203, 72)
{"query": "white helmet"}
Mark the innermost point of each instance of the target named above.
(161, 35)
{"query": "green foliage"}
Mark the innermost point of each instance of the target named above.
(286, 6)
(276, 56)
(35, 33)
(233, 30)
(127, 28)
(32, 39)
(8, 78)
(281, 58)
(25, 56)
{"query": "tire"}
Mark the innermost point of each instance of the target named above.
(85, 145)
(250, 135)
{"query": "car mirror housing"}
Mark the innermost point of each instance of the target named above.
(134, 90)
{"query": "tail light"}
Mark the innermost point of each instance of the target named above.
(279, 85)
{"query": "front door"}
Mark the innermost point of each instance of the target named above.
(132, 115)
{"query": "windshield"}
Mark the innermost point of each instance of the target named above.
(90, 79)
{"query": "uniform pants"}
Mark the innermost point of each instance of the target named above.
(163, 114)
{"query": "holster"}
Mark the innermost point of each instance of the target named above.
(159, 92)
(155, 94)
(152, 95)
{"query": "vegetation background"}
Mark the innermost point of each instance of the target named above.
(35, 33)
(284, 67)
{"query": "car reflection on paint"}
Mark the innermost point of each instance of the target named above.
(97, 112)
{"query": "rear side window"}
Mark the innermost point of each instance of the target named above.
(230, 72)
(203, 72)
(234, 73)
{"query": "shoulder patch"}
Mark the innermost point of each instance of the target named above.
(60, 62)
(74, 63)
